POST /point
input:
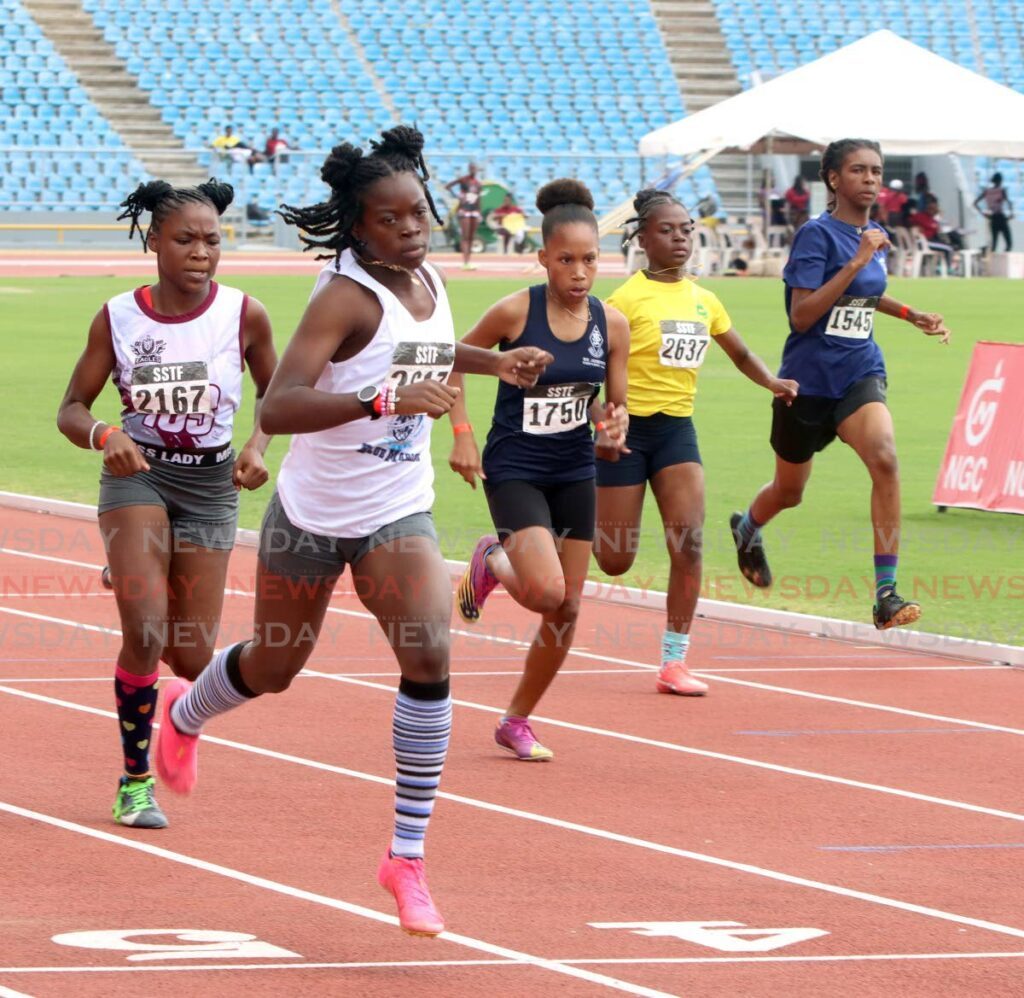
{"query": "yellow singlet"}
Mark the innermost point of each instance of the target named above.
(670, 330)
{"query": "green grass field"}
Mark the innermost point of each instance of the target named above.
(964, 566)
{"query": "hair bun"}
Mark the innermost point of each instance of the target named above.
(340, 163)
(564, 191)
(220, 194)
(645, 197)
(402, 140)
(148, 195)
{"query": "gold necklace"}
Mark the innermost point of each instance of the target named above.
(677, 271)
(390, 266)
(580, 318)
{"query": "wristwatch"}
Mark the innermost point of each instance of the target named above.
(367, 397)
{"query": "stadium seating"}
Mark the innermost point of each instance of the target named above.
(44, 108)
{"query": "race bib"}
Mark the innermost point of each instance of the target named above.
(556, 408)
(852, 317)
(413, 362)
(171, 389)
(683, 344)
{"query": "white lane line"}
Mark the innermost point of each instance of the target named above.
(642, 961)
(649, 742)
(11, 993)
(572, 826)
(714, 676)
(715, 671)
(328, 902)
(392, 674)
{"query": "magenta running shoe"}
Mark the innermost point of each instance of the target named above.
(515, 735)
(176, 754)
(478, 581)
(407, 881)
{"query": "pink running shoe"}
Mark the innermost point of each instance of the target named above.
(515, 735)
(477, 583)
(673, 678)
(407, 881)
(176, 760)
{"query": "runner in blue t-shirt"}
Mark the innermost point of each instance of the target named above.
(835, 282)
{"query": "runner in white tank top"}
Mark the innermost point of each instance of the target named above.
(169, 486)
(359, 385)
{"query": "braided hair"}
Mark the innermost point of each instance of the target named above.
(645, 202)
(564, 201)
(160, 199)
(349, 173)
(834, 156)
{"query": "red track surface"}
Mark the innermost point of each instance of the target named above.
(656, 809)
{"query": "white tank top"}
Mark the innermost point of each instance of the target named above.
(179, 376)
(353, 479)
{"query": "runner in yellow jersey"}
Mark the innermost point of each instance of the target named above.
(672, 322)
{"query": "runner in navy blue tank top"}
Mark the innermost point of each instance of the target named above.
(538, 465)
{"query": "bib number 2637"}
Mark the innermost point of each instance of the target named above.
(683, 344)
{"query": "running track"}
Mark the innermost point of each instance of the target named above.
(866, 795)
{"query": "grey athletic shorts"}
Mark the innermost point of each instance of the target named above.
(292, 552)
(201, 503)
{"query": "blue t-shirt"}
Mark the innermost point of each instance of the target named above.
(542, 434)
(839, 349)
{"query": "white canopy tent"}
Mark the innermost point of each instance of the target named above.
(881, 87)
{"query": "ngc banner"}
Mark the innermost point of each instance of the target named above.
(984, 463)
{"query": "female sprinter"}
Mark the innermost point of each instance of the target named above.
(835, 282)
(366, 367)
(538, 464)
(672, 320)
(169, 487)
(468, 189)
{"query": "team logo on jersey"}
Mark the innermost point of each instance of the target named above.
(702, 311)
(148, 350)
(596, 347)
(394, 448)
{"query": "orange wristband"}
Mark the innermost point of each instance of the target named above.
(461, 428)
(599, 426)
(105, 436)
(905, 312)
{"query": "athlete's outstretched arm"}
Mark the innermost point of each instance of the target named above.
(74, 418)
(930, 323)
(748, 363)
(612, 419)
(340, 313)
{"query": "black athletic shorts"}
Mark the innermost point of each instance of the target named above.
(567, 510)
(809, 425)
(654, 442)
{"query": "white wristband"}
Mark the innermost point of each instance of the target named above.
(92, 433)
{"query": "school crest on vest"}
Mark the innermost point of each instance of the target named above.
(148, 350)
(596, 348)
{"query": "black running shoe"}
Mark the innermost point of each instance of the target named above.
(750, 556)
(892, 610)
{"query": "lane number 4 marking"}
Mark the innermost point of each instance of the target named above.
(727, 937)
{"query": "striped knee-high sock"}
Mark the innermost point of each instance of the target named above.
(218, 689)
(421, 727)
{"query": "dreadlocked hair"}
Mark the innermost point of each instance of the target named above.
(644, 203)
(349, 172)
(563, 201)
(160, 199)
(834, 156)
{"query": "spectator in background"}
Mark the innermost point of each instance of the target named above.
(798, 200)
(998, 210)
(470, 190)
(879, 217)
(892, 202)
(511, 222)
(256, 214)
(922, 191)
(771, 201)
(276, 149)
(929, 222)
(234, 150)
(707, 210)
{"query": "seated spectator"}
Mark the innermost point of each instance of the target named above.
(892, 202)
(878, 216)
(798, 200)
(938, 237)
(707, 210)
(511, 222)
(235, 150)
(276, 149)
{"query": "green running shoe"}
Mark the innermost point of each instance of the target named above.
(136, 804)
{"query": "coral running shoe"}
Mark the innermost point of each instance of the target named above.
(407, 881)
(478, 581)
(176, 753)
(892, 610)
(674, 678)
(515, 735)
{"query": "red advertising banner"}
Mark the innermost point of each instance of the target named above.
(984, 463)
